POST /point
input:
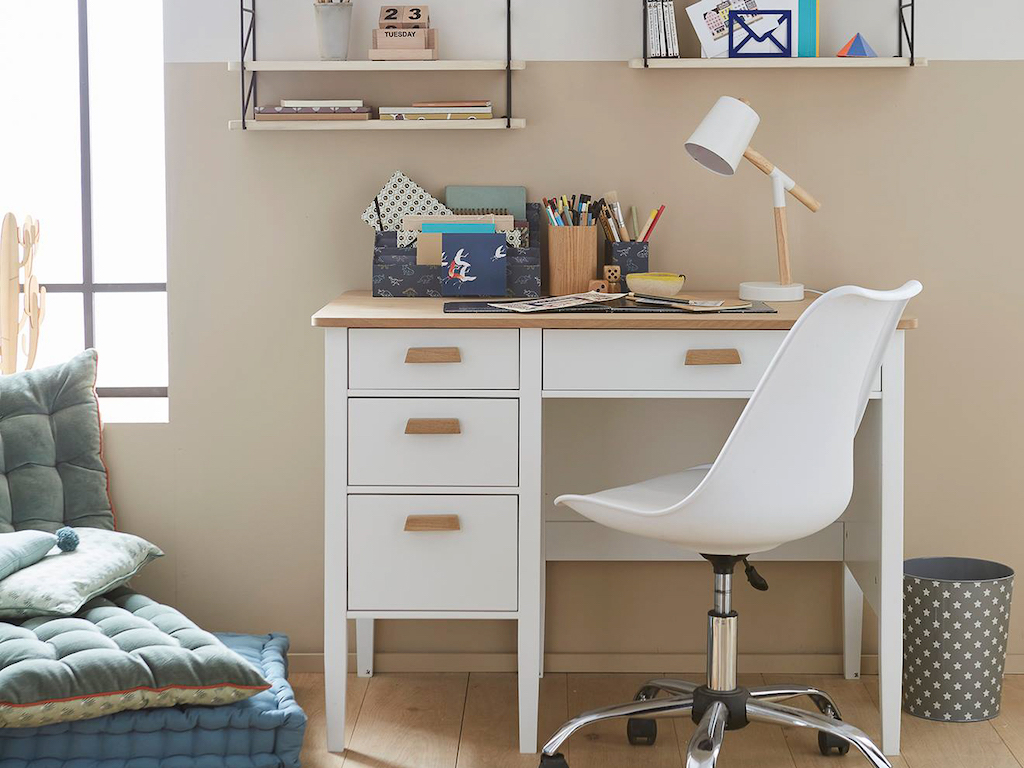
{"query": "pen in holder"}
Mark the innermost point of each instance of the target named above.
(572, 259)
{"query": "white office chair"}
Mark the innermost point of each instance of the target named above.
(785, 472)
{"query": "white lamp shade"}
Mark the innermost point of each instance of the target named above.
(723, 136)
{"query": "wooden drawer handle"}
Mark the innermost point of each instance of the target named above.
(713, 357)
(433, 355)
(432, 523)
(433, 427)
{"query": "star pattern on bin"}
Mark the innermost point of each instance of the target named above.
(954, 647)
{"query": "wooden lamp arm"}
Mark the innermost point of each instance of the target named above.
(766, 165)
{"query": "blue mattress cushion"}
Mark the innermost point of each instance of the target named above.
(264, 731)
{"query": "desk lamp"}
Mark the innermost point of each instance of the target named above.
(720, 141)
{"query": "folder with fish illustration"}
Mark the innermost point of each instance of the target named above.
(773, 38)
(473, 264)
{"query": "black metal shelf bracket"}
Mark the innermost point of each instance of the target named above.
(645, 33)
(508, 63)
(247, 47)
(247, 43)
(903, 30)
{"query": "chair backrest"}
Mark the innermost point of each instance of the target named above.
(788, 464)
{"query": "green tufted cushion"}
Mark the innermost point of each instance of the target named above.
(51, 467)
(121, 651)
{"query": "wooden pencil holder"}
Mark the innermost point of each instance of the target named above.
(572, 259)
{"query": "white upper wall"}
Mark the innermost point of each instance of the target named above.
(578, 30)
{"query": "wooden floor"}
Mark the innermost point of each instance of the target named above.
(469, 721)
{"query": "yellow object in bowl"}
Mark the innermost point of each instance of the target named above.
(655, 283)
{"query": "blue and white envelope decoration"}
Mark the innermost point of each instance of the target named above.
(774, 36)
(473, 264)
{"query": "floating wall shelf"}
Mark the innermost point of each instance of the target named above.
(248, 67)
(894, 62)
(379, 125)
(472, 65)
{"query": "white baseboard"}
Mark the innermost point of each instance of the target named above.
(656, 663)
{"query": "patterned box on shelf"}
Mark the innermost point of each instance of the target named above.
(396, 273)
(631, 256)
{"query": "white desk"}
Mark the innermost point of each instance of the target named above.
(433, 471)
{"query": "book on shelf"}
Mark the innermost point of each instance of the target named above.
(435, 116)
(466, 103)
(321, 103)
(662, 33)
(440, 110)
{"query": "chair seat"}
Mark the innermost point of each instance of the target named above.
(657, 509)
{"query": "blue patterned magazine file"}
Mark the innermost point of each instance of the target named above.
(473, 264)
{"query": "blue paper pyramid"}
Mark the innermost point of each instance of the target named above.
(858, 48)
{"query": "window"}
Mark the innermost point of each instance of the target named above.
(82, 151)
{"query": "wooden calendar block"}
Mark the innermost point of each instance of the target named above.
(391, 16)
(415, 17)
(405, 38)
(403, 54)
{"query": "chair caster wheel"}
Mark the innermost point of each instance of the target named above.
(553, 761)
(641, 731)
(827, 742)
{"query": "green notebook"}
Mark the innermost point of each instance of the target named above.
(487, 199)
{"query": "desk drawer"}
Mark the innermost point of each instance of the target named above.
(433, 441)
(433, 553)
(433, 358)
(657, 360)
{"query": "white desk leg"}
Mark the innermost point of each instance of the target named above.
(364, 647)
(890, 613)
(853, 617)
(335, 530)
(531, 560)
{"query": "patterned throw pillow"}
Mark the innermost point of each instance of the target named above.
(62, 582)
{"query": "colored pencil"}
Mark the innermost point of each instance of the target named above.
(654, 223)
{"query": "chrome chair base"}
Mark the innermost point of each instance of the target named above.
(759, 705)
(721, 704)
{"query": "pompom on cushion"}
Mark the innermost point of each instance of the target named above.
(67, 539)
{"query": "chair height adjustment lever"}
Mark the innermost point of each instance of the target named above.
(756, 579)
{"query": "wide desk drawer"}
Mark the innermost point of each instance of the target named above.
(657, 360)
(433, 358)
(433, 553)
(433, 441)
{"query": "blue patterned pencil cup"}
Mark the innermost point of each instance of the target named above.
(631, 256)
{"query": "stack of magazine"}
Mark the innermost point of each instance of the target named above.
(315, 109)
(662, 36)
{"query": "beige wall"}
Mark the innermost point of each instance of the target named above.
(916, 181)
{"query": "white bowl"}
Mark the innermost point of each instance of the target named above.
(655, 283)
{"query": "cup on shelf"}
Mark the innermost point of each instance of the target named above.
(333, 25)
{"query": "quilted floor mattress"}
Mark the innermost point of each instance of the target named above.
(264, 731)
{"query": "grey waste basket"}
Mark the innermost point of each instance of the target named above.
(956, 618)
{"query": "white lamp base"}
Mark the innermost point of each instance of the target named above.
(771, 292)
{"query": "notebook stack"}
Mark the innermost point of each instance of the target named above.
(439, 110)
(315, 109)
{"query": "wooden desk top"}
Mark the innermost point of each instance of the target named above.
(358, 309)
